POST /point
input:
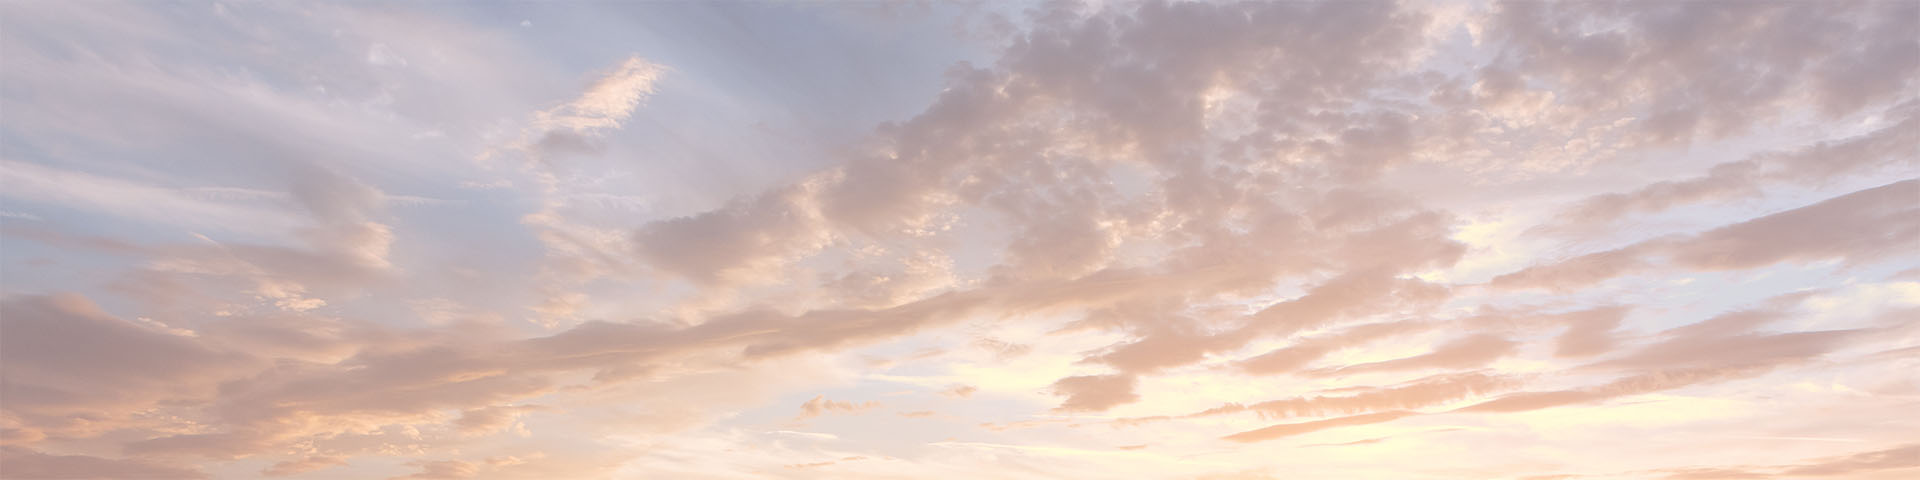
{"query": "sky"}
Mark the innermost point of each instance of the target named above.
(971, 240)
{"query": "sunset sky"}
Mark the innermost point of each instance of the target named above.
(974, 240)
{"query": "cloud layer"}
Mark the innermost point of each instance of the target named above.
(1047, 240)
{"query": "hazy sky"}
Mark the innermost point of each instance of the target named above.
(990, 240)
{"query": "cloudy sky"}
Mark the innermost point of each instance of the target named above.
(989, 240)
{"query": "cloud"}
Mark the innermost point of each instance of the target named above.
(492, 419)
(1876, 221)
(1422, 392)
(1095, 392)
(960, 391)
(1812, 164)
(737, 243)
(1893, 459)
(1590, 332)
(443, 470)
(1193, 212)
(1291, 429)
(1718, 349)
(1902, 457)
(607, 102)
(23, 463)
(126, 368)
(1355, 293)
(1465, 352)
(826, 463)
(1304, 352)
(1656, 63)
(820, 405)
(141, 201)
(1855, 228)
(1632, 385)
(303, 465)
(576, 252)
